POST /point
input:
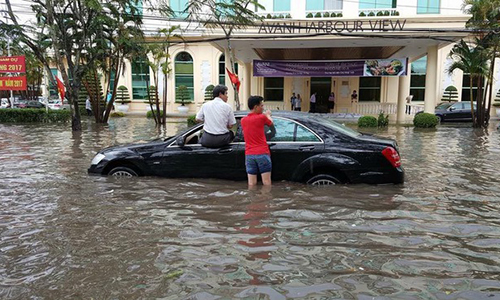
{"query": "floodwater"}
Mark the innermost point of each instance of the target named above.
(67, 235)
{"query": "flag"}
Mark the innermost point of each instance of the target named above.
(60, 87)
(234, 79)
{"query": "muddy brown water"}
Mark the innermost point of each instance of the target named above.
(67, 235)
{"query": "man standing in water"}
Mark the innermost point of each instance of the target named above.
(257, 154)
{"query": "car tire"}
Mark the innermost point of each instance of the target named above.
(122, 172)
(323, 180)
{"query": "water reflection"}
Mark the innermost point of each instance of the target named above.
(67, 235)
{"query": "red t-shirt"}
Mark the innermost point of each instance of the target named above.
(253, 132)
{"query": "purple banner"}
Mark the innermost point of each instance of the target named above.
(352, 68)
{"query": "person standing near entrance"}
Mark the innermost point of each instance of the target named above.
(331, 102)
(312, 108)
(257, 154)
(218, 118)
(88, 106)
(298, 103)
(354, 100)
(292, 101)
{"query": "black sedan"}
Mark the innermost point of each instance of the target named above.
(454, 112)
(304, 148)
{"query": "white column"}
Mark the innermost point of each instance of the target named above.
(431, 78)
(247, 85)
(403, 92)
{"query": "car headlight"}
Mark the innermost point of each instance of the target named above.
(97, 159)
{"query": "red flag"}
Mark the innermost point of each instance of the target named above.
(234, 79)
(60, 87)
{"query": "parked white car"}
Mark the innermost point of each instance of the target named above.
(4, 103)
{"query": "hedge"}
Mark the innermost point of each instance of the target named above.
(191, 120)
(33, 115)
(367, 121)
(425, 120)
(149, 114)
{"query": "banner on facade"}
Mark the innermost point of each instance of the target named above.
(12, 64)
(14, 83)
(351, 68)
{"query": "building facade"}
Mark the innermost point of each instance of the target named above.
(420, 32)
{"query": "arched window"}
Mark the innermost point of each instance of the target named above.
(184, 72)
(222, 69)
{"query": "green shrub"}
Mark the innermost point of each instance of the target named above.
(367, 121)
(149, 114)
(191, 120)
(118, 114)
(383, 120)
(309, 15)
(339, 15)
(396, 13)
(362, 14)
(371, 14)
(280, 16)
(288, 16)
(326, 15)
(425, 120)
(386, 13)
(379, 14)
(33, 115)
(269, 16)
(317, 15)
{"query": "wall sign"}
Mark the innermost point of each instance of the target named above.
(332, 26)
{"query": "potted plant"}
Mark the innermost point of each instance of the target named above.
(152, 99)
(209, 92)
(496, 103)
(123, 98)
(182, 95)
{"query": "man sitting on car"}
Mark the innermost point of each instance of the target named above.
(218, 118)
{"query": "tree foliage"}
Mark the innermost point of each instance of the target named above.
(227, 16)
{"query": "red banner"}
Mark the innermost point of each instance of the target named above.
(12, 64)
(14, 83)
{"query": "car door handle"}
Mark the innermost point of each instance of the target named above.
(306, 148)
(226, 150)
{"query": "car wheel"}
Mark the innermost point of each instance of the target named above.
(122, 172)
(323, 180)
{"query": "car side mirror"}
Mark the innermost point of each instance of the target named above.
(180, 141)
(451, 109)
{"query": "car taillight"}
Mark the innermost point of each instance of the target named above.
(392, 156)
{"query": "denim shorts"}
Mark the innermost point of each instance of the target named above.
(258, 164)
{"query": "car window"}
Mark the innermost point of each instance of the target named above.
(443, 105)
(458, 105)
(466, 105)
(339, 127)
(284, 131)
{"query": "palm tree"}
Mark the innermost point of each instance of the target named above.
(486, 20)
(472, 60)
(228, 16)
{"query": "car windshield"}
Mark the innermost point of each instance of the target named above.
(339, 127)
(444, 105)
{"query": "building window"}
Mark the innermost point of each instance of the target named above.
(222, 69)
(466, 87)
(281, 5)
(184, 72)
(369, 88)
(317, 5)
(273, 88)
(140, 78)
(377, 4)
(428, 6)
(417, 81)
(178, 7)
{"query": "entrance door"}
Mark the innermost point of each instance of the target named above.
(322, 86)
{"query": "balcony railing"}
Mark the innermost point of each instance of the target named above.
(337, 13)
(275, 15)
(375, 108)
(378, 12)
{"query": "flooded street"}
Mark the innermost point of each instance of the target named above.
(67, 235)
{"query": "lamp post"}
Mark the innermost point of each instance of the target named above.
(11, 100)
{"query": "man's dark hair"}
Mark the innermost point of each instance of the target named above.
(220, 88)
(254, 100)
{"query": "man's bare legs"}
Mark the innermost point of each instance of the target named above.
(266, 179)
